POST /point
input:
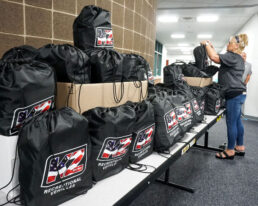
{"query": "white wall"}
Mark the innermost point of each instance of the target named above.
(164, 58)
(185, 58)
(251, 29)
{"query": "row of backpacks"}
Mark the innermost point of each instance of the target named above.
(65, 152)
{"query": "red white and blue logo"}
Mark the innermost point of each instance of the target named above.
(182, 113)
(65, 165)
(195, 105)
(114, 148)
(21, 114)
(144, 138)
(171, 120)
(104, 37)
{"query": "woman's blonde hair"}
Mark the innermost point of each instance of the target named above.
(243, 41)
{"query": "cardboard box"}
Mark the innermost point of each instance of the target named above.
(198, 81)
(83, 97)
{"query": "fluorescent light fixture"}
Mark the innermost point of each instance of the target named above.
(167, 19)
(207, 18)
(177, 36)
(182, 44)
(186, 49)
(204, 36)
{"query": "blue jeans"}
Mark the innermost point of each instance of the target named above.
(235, 127)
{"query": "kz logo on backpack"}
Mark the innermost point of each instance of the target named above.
(171, 120)
(21, 114)
(182, 113)
(104, 37)
(195, 105)
(114, 148)
(217, 106)
(144, 138)
(188, 108)
(64, 166)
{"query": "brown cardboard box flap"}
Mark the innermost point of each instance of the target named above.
(198, 81)
(82, 97)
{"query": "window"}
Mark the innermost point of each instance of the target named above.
(158, 59)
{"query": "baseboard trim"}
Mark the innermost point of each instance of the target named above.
(250, 117)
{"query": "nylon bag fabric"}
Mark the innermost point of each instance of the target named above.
(190, 70)
(173, 72)
(27, 88)
(183, 109)
(221, 92)
(106, 65)
(168, 129)
(92, 28)
(21, 52)
(143, 132)
(212, 101)
(54, 151)
(70, 63)
(135, 68)
(111, 134)
(200, 95)
(201, 58)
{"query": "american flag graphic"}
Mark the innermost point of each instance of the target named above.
(115, 148)
(217, 107)
(188, 108)
(69, 165)
(104, 37)
(195, 105)
(181, 113)
(144, 138)
(171, 120)
(35, 110)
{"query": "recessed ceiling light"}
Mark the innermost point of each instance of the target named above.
(167, 18)
(177, 36)
(182, 44)
(186, 49)
(204, 36)
(207, 18)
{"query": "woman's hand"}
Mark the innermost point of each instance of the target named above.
(203, 42)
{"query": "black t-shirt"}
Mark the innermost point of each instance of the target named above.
(230, 74)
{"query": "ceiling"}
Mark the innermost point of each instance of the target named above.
(233, 14)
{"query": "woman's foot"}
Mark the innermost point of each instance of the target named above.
(240, 150)
(226, 154)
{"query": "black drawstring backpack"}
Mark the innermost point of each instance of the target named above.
(27, 89)
(199, 94)
(92, 28)
(111, 135)
(190, 70)
(168, 130)
(212, 101)
(201, 58)
(70, 63)
(106, 65)
(54, 151)
(135, 68)
(143, 132)
(21, 52)
(173, 72)
(183, 110)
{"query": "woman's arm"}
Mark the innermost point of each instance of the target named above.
(211, 52)
(247, 78)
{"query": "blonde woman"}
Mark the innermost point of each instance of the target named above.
(230, 77)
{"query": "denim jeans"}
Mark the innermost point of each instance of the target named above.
(235, 127)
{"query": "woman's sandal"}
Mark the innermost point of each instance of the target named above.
(226, 156)
(239, 153)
